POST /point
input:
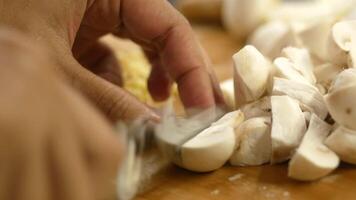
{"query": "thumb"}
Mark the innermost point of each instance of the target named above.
(114, 102)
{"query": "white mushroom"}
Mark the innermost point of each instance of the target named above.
(343, 142)
(259, 108)
(272, 37)
(315, 37)
(339, 42)
(302, 62)
(254, 139)
(231, 119)
(241, 17)
(341, 99)
(288, 127)
(309, 97)
(209, 150)
(249, 85)
(227, 88)
(326, 73)
(286, 69)
(313, 160)
(183, 142)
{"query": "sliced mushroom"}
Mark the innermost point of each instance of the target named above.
(209, 150)
(325, 73)
(286, 69)
(227, 88)
(231, 119)
(302, 62)
(288, 127)
(189, 144)
(309, 97)
(259, 108)
(254, 139)
(341, 99)
(343, 142)
(339, 42)
(313, 160)
(272, 37)
(315, 37)
(241, 17)
(249, 85)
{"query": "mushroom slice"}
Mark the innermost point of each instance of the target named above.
(342, 33)
(209, 150)
(254, 139)
(249, 85)
(272, 37)
(231, 119)
(227, 88)
(259, 108)
(241, 17)
(313, 160)
(309, 97)
(288, 127)
(286, 69)
(325, 73)
(315, 37)
(341, 99)
(302, 62)
(342, 141)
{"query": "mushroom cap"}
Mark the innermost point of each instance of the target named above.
(313, 159)
(209, 150)
(343, 142)
(249, 85)
(241, 17)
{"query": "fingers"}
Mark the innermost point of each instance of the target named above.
(100, 59)
(159, 83)
(113, 101)
(161, 25)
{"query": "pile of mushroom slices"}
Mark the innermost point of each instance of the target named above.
(298, 105)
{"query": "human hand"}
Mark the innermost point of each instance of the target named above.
(74, 26)
(53, 144)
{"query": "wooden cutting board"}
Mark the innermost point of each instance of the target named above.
(252, 183)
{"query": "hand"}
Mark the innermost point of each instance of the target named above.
(53, 145)
(74, 27)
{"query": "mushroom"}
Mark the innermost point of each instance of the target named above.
(254, 139)
(339, 42)
(302, 62)
(315, 37)
(249, 85)
(231, 119)
(342, 141)
(286, 69)
(326, 72)
(272, 37)
(241, 17)
(340, 100)
(209, 150)
(259, 108)
(288, 127)
(313, 160)
(190, 145)
(308, 96)
(227, 88)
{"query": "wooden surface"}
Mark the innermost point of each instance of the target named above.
(252, 183)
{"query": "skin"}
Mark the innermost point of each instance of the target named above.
(71, 29)
(54, 144)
